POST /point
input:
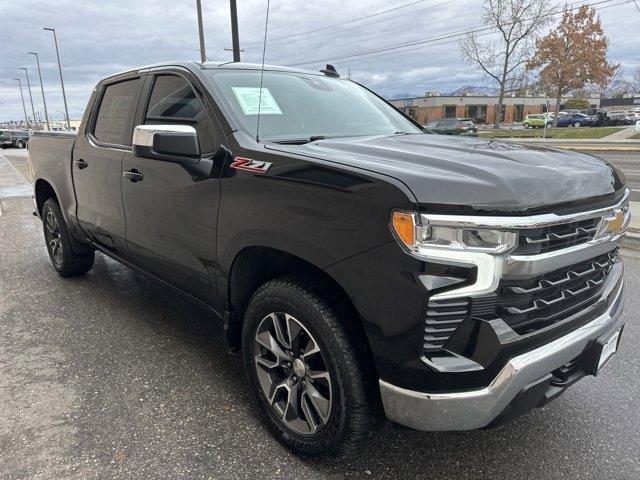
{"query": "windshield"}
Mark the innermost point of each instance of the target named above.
(296, 106)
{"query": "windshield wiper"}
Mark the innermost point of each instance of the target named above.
(301, 141)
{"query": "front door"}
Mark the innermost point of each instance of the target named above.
(172, 209)
(97, 163)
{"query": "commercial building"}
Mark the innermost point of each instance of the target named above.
(481, 109)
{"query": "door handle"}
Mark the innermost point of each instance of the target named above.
(81, 164)
(133, 175)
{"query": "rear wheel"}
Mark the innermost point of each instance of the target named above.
(577, 124)
(20, 144)
(306, 373)
(65, 261)
(526, 125)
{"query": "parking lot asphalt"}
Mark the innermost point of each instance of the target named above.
(112, 376)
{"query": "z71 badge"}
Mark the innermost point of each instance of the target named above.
(255, 166)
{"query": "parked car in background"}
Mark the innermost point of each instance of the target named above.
(620, 117)
(598, 115)
(453, 126)
(575, 120)
(534, 121)
(14, 138)
(634, 114)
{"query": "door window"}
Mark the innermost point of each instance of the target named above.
(113, 124)
(174, 101)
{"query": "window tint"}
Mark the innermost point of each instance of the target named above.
(112, 123)
(174, 101)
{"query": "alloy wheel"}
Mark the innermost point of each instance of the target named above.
(292, 373)
(54, 242)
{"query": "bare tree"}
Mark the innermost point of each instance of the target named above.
(503, 59)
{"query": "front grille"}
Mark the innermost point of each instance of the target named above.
(443, 317)
(528, 305)
(533, 241)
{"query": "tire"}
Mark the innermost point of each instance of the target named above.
(20, 144)
(577, 125)
(525, 125)
(64, 260)
(347, 407)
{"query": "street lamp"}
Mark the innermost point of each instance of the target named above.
(46, 114)
(64, 96)
(24, 107)
(33, 110)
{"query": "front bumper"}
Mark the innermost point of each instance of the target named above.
(473, 409)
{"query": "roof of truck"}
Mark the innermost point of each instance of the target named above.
(191, 65)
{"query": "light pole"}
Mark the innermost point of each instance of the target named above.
(64, 95)
(33, 110)
(46, 114)
(24, 107)
(203, 53)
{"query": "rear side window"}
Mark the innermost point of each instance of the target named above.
(113, 119)
(173, 101)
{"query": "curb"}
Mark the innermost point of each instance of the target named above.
(631, 241)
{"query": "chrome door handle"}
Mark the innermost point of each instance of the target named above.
(81, 164)
(133, 175)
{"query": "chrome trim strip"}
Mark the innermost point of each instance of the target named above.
(532, 221)
(143, 134)
(474, 409)
(527, 266)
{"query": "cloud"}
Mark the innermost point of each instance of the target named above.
(98, 38)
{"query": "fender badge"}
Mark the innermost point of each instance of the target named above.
(255, 166)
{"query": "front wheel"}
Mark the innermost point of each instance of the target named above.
(525, 125)
(20, 144)
(305, 371)
(577, 124)
(65, 261)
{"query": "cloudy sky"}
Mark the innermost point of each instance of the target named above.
(97, 38)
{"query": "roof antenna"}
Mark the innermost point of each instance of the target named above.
(330, 71)
(264, 49)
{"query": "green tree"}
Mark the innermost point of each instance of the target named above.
(577, 103)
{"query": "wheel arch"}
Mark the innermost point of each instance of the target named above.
(43, 190)
(256, 265)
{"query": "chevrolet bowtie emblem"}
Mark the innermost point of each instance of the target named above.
(614, 223)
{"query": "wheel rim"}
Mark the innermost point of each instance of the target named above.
(52, 236)
(292, 373)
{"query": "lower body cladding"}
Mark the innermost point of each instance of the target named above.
(527, 380)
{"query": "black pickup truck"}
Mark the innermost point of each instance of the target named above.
(360, 264)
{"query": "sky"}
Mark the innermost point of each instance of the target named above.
(98, 38)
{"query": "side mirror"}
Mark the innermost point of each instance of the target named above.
(169, 143)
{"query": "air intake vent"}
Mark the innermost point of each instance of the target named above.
(443, 317)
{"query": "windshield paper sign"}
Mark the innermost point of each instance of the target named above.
(248, 98)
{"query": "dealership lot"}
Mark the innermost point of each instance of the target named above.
(110, 375)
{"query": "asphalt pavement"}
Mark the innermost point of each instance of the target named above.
(629, 163)
(112, 376)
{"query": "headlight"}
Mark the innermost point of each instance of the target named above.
(415, 237)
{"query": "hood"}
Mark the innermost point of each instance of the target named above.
(464, 171)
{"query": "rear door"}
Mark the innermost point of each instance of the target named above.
(172, 213)
(97, 162)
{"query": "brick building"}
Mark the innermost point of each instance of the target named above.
(481, 109)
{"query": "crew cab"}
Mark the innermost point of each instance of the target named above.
(361, 265)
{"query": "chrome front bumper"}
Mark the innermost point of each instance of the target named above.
(475, 409)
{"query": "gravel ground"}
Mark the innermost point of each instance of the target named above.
(112, 376)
